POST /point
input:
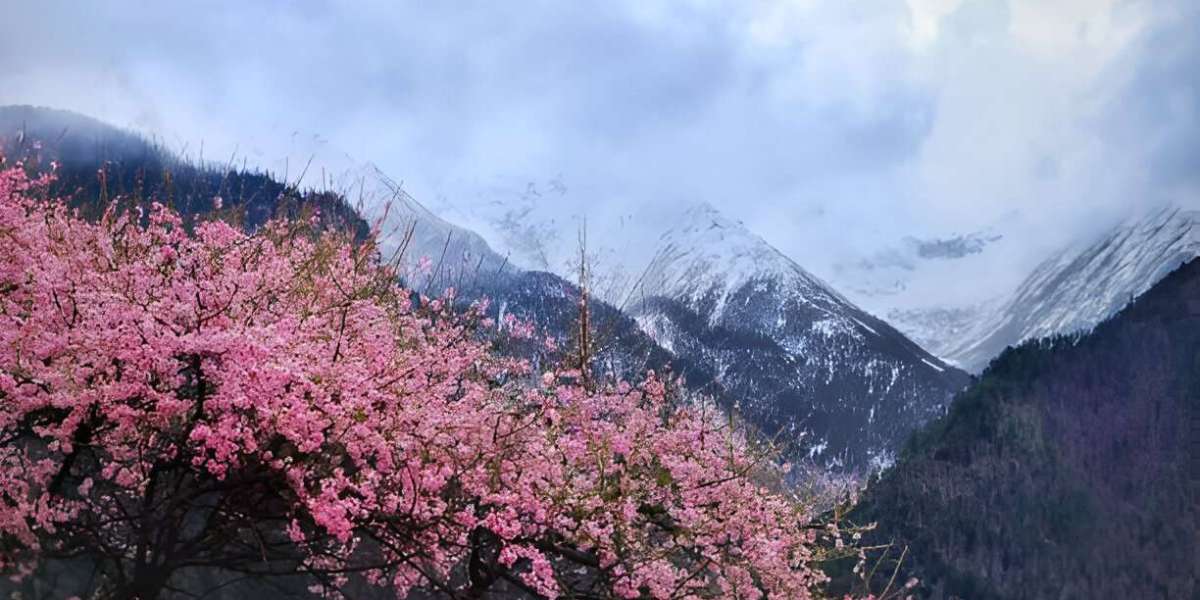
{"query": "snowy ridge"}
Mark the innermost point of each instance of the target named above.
(1082, 285)
(458, 255)
(708, 257)
(457, 248)
(795, 356)
(454, 256)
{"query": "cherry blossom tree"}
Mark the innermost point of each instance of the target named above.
(275, 403)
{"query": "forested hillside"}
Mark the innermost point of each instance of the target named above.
(1070, 470)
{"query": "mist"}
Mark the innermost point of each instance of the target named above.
(839, 133)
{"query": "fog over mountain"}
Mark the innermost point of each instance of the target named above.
(838, 132)
(1071, 292)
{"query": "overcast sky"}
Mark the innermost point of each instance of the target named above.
(834, 129)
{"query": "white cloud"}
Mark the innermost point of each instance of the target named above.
(834, 128)
(925, 20)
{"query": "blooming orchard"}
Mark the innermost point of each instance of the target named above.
(275, 403)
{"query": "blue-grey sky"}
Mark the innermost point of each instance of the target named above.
(837, 130)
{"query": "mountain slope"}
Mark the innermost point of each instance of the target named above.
(1077, 288)
(456, 256)
(800, 358)
(1069, 470)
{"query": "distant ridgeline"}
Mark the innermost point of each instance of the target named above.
(1069, 470)
(99, 162)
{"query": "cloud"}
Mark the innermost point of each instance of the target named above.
(951, 248)
(835, 129)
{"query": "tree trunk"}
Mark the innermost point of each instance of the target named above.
(147, 584)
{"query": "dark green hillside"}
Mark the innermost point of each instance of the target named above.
(1070, 470)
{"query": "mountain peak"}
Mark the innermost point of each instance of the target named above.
(1082, 285)
(798, 356)
(708, 255)
(704, 216)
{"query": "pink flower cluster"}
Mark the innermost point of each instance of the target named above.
(281, 384)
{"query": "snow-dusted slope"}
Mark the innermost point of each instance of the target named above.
(1081, 286)
(456, 256)
(943, 329)
(796, 355)
(707, 257)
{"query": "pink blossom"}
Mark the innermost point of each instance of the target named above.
(286, 376)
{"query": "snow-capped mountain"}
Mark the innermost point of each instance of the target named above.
(797, 355)
(1075, 289)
